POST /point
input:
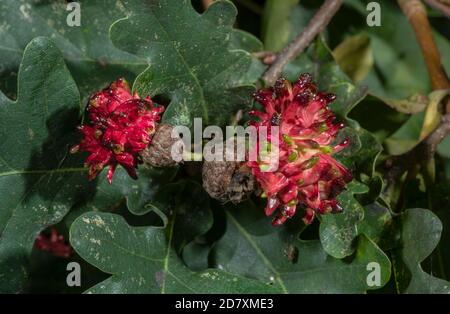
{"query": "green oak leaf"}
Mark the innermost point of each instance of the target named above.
(187, 199)
(90, 56)
(246, 41)
(277, 23)
(241, 40)
(138, 193)
(420, 234)
(354, 56)
(142, 260)
(440, 204)
(380, 226)
(399, 70)
(253, 248)
(410, 238)
(152, 198)
(338, 232)
(137, 196)
(195, 255)
(296, 18)
(319, 62)
(399, 74)
(38, 181)
(192, 58)
(363, 150)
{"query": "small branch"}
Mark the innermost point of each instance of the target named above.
(262, 54)
(439, 6)
(411, 161)
(431, 143)
(423, 152)
(417, 16)
(315, 26)
(267, 57)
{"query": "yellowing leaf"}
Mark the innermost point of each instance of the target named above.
(354, 56)
(432, 114)
(414, 104)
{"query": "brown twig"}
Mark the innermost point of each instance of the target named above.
(417, 158)
(432, 141)
(315, 26)
(267, 57)
(417, 16)
(440, 6)
(421, 153)
(262, 54)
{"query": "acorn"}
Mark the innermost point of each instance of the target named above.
(228, 180)
(159, 152)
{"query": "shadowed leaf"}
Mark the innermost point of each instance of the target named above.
(192, 58)
(142, 260)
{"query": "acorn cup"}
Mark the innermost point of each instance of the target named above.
(228, 180)
(159, 153)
